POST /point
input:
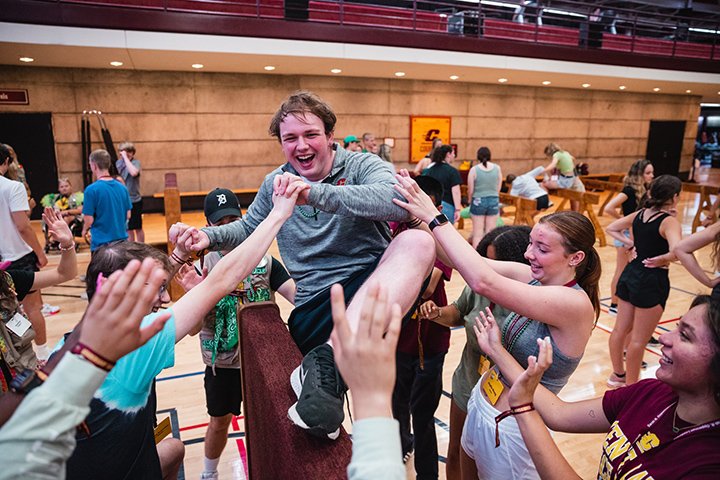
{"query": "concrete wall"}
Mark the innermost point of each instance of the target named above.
(211, 128)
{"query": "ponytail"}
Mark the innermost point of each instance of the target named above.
(587, 275)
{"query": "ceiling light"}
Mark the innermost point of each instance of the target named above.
(335, 70)
(586, 85)
(116, 64)
(197, 65)
(546, 82)
(269, 68)
(399, 74)
(622, 87)
(656, 89)
(502, 80)
(454, 77)
(688, 91)
(26, 59)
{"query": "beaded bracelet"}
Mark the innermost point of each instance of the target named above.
(92, 356)
(524, 408)
(69, 247)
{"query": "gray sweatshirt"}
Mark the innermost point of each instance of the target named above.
(339, 232)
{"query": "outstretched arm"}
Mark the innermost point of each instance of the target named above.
(235, 266)
(685, 248)
(505, 283)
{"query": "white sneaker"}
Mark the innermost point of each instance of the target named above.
(48, 309)
(209, 475)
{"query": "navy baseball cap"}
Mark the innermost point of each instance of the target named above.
(220, 203)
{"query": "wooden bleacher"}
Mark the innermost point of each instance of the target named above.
(524, 208)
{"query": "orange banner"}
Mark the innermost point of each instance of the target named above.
(422, 132)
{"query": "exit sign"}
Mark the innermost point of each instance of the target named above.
(14, 97)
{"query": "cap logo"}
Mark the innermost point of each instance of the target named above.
(222, 199)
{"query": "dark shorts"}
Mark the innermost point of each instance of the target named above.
(543, 202)
(715, 294)
(135, 222)
(311, 323)
(644, 287)
(27, 262)
(223, 393)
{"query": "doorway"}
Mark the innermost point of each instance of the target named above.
(664, 147)
(31, 136)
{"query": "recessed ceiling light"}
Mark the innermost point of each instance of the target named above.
(656, 89)
(454, 77)
(197, 65)
(586, 85)
(269, 68)
(622, 87)
(26, 59)
(399, 74)
(335, 70)
(546, 82)
(116, 64)
(502, 80)
(688, 91)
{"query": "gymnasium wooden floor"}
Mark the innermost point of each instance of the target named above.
(180, 389)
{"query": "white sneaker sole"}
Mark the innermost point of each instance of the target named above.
(614, 384)
(293, 415)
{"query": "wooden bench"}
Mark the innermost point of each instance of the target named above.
(586, 201)
(611, 187)
(525, 208)
(277, 448)
(705, 205)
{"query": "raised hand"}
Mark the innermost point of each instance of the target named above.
(188, 239)
(111, 325)
(418, 203)
(284, 203)
(487, 332)
(58, 230)
(281, 183)
(523, 389)
(366, 358)
(188, 278)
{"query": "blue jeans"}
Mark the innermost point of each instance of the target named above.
(449, 211)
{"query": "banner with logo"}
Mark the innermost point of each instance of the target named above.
(422, 132)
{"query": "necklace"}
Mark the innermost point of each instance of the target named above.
(104, 176)
(305, 214)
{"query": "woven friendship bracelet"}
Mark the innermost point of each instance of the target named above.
(92, 356)
(527, 407)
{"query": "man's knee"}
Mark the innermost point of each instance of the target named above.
(416, 243)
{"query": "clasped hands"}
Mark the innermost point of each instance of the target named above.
(288, 190)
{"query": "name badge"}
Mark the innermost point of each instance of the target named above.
(493, 387)
(483, 365)
(18, 325)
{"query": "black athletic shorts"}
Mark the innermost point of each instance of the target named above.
(135, 222)
(27, 263)
(643, 287)
(223, 393)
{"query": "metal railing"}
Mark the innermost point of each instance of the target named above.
(645, 29)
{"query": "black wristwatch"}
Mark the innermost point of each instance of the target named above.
(437, 221)
(26, 381)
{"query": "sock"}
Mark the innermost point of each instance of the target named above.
(211, 464)
(42, 351)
